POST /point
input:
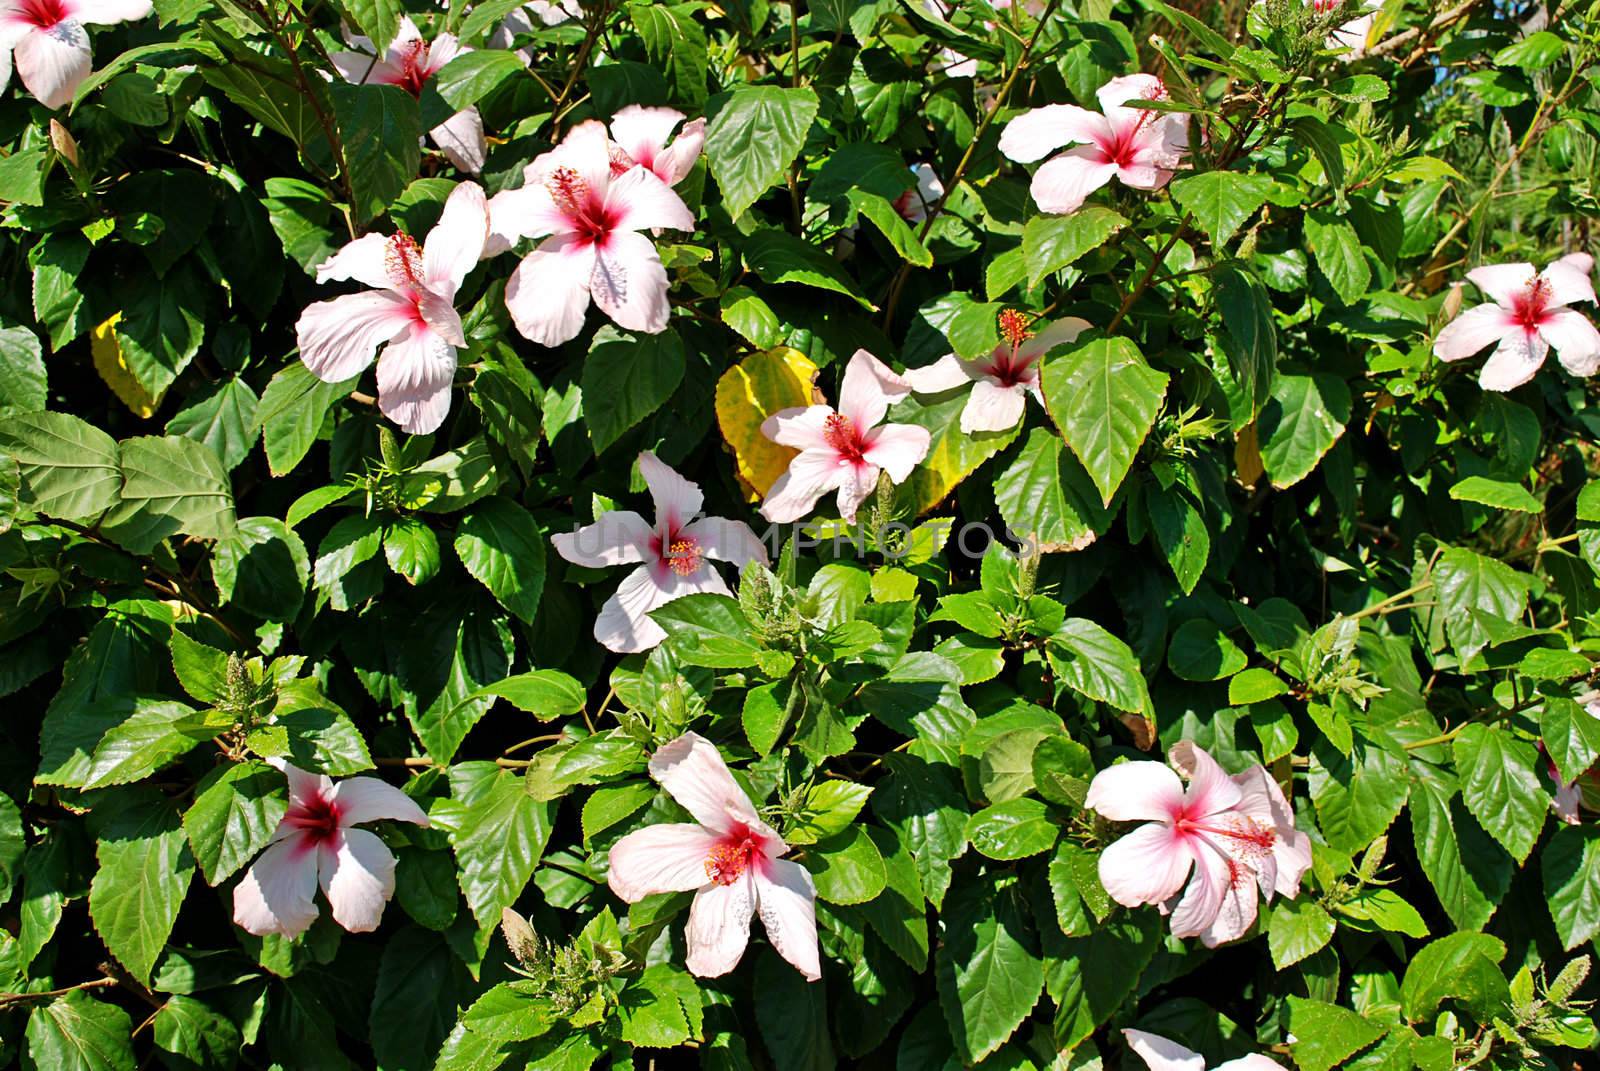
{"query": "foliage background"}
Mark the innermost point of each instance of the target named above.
(1276, 525)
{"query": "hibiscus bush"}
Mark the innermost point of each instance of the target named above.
(858, 533)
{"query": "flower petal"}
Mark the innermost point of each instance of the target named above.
(52, 62)
(106, 12)
(1035, 134)
(1575, 340)
(1056, 333)
(367, 799)
(357, 873)
(1147, 866)
(1210, 788)
(1254, 1062)
(1514, 362)
(461, 139)
(624, 624)
(1262, 800)
(548, 294)
(1161, 1054)
(993, 407)
(787, 901)
(670, 857)
(719, 927)
(868, 389)
(1237, 911)
(947, 373)
(275, 895)
(366, 260)
(726, 541)
(693, 773)
(897, 448)
(619, 537)
(1202, 899)
(1571, 279)
(643, 132)
(1115, 94)
(677, 500)
(456, 242)
(811, 474)
(1502, 282)
(526, 212)
(676, 161)
(444, 48)
(1063, 184)
(804, 428)
(337, 337)
(1477, 327)
(414, 378)
(1136, 792)
(628, 282)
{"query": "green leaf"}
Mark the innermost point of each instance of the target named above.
(223, 419)
(923, 804)
(1300, 423)
(988, 971)
(170, 485)
(1534, 52)
(292, 412)
(828, 809)
(1255, 686)
(348, 544)
(458, 647)
(899, 915)
(1047, 494)
(1086, 997)
(1050, 243)
(1250, 338)
(140, 744)
(1387, 910)
(411, 549)
(610, 804)
(1327, 1034)
(1358, 795)
(708, 630)
(1104, 398)
(893, 226)
(1015, 829)
(779, 257)
(544, 693)
(22, 376)
(316, 735)
(162, 325)
(1571, 735)
(381, 128)
(1500, 786)
(1299, 928)
(1468, 584)
(500, 835)
(261, 569)
(1181, 533)
(1090, 660)
(22, 177)
(58, 301)
(500, 544)
(1469, 872)
(414, 1001)
(625, 379)
(195, 1033)
(1570, 865)
(1500, 494)
(471, 76)
(69, 469)
(1201, 651)
(847, 867)
(1444, 969)
(144, 872)
(201, 669)
(1337, 249)
(1319, 137)
(754, 133)
(677, 47)
(1220, 201)
(793, 1018)
(78, 1033)
(231, 818)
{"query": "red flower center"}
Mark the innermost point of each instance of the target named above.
(840, 433)
(732, 855)
(1529, 305)
(41, 14)
(684, 556)
(1242, 833)
(414, 67)
(317, 819)
(402, 260)
(589, 216)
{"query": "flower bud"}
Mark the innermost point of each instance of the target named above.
(64, 143)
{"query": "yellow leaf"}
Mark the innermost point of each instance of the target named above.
(114, 370)
(751, 391)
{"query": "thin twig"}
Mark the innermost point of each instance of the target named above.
(51, 994)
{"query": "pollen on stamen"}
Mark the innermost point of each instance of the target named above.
(839, 433)
(567, 188)
(402, 259)
(1014, 327)
(727, 862)
(684, 556)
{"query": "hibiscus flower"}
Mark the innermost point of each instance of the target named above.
(1163, 1054)
(1527, 317)
(843, 450)
(409, 63)
(47, 40)
(674, 556)
(1351, 35)
(315, 842)
(915, 203)
(728, 857)
(1234, 835)
(590, 221)
(410, 312)
(639, 137)
(1002, 381)
(1140, 148)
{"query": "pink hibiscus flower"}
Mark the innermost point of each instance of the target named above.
(1002, 381)
(915, 204)
(674, 556)
(844, 450)
(1140, 148)
(1162, 1054)
(410, 312)
(409, 63)
(47, 40)
(1235, 834)
(639, 137)
(590, 221)
(315, 842)
(1528, 316)
(728, 856)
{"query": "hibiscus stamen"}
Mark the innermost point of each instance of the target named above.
(684, 555)
(732, 856)
(1530, 306)
(1014, 327)
(621, 162)
(839, 433)
(402, 259)
(567, 189)
(317, 818)
(414, 67)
